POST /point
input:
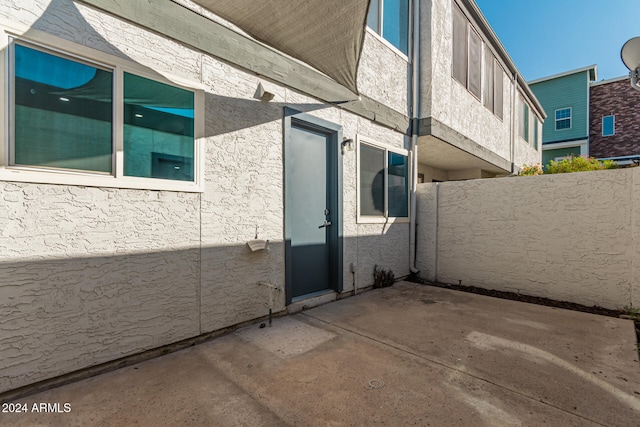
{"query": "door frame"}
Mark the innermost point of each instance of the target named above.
(334, 185)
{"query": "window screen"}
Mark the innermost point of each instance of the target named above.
(459, 46)
(498, 91)
(475, 64)
(488, 89)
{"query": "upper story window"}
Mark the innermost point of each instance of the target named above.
(608, 125)
(74, 120)
(563, 118)
(483, 79)
(383, 182)
(523, 120)
(390, 19)
(492, 84)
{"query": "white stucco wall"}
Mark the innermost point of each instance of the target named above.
(446, 100)
(569, 237)
(383, 73)
(89, 275)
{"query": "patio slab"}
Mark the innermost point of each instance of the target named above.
(406, 355)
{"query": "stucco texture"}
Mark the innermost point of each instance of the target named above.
(446, 100)
(569, 237)
(89, 275)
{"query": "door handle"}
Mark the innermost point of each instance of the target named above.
(326, 224)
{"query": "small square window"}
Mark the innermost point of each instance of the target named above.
(608, 125)
(563, 118)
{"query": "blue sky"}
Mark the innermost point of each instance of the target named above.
(546, 37)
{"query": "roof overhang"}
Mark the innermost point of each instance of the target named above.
(591, 69)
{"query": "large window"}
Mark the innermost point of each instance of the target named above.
(563, 118)
(383, 182)
(482, 78)
(390, 19)
(74, 115)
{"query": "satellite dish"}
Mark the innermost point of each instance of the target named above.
(630, 53)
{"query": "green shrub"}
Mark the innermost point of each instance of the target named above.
(530, 170)
(579, 164)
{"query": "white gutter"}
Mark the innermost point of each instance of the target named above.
(415, 103)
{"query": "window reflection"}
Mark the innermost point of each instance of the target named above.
(62, 116)
(398, 185)
(158, 130)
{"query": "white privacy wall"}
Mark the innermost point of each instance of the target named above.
(89, 275)
(570, 237)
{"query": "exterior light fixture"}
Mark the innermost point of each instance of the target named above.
(347, 145)
(262, 94)
(63, 99)
(630, 55)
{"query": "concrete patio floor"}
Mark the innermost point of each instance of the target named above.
(406, 355)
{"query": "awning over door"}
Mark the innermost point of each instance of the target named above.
(325, 34)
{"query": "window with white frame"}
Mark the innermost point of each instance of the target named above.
(383, 182)
(72, 115)
(536, 132)
(563, 118)
(390, 19)
(608, 125)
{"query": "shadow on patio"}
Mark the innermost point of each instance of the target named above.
(406, 355)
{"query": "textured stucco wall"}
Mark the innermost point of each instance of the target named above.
(524, 152)
(89, 275)
(571, 237)
(383, 74)
(446, 100)
(449, 102)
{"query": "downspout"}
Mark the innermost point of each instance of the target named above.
(415, 103)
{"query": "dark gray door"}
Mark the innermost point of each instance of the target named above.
(311, 209)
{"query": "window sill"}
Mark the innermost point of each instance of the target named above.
(381, 220)
(15, 174)
(385, 42)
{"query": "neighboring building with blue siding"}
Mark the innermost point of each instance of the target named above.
(565, 99)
